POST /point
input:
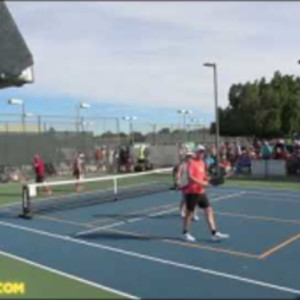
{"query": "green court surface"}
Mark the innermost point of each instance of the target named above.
(41, 284)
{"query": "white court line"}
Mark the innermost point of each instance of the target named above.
(271, 197)
(88, 282)
(84, 232)
(154, 259)
(271, 191)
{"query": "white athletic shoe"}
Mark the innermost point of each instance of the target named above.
(195, 218)
(188, 237)
(220, 236)
(182, 213)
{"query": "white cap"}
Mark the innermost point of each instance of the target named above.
(200, 148)
(189, 153)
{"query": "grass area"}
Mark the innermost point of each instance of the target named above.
(10, 192)
(44, 284)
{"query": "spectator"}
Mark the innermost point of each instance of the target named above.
(99, 159)
(141, 154)
(125, 160)
(39, 169)
(243, 163)
(266, 150)
(224, 165)
(293, 163)
(280, 152)
(110, 159)
(209, 161)
(78, 170)
(251, 153)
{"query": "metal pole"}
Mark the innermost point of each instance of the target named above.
(23, 116)
(154, 134)
(184, 127)
(39, 124)
(118, 132)
(77, 118)
(82, 125)
(131, 132)
(216, 117)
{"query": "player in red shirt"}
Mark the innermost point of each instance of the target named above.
(195, 195)
(78, 170)
(39, 169)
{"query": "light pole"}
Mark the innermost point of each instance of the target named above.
(20, 102)
(130, 120)
(154, 128)
(82, 105)
(217, 126)
(118, 132)
(184, 113)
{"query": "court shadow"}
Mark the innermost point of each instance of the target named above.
(129, 216)
(8, 215)
(115, 236)
(119, 216)
(132, 236)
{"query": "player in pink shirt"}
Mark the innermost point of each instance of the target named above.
(195, 195)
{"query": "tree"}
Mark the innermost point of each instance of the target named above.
(263, 109)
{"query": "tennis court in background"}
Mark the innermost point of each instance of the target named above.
(133, 248)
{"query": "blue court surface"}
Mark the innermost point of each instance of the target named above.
(135, 246)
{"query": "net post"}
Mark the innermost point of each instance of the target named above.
(115, 189)
(25, 203)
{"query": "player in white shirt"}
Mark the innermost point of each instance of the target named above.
(181, 180)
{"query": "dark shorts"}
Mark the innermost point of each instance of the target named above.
(76, 174)
(192, 200)
(39, 178)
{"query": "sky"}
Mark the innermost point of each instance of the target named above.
(146, 58)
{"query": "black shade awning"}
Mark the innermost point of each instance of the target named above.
(16, 60)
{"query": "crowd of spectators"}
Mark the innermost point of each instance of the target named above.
(239, 157)
(122, 159)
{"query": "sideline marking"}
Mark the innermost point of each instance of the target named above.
(186, 244)
(280, 246)
(88, 282)
(154, 259)
(150, 215)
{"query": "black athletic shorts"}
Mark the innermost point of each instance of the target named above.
(39, 179)
(192, 200)
(76, 174)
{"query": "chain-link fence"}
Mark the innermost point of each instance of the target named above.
(58, 138)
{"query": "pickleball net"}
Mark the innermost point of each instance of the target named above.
(92, 191)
